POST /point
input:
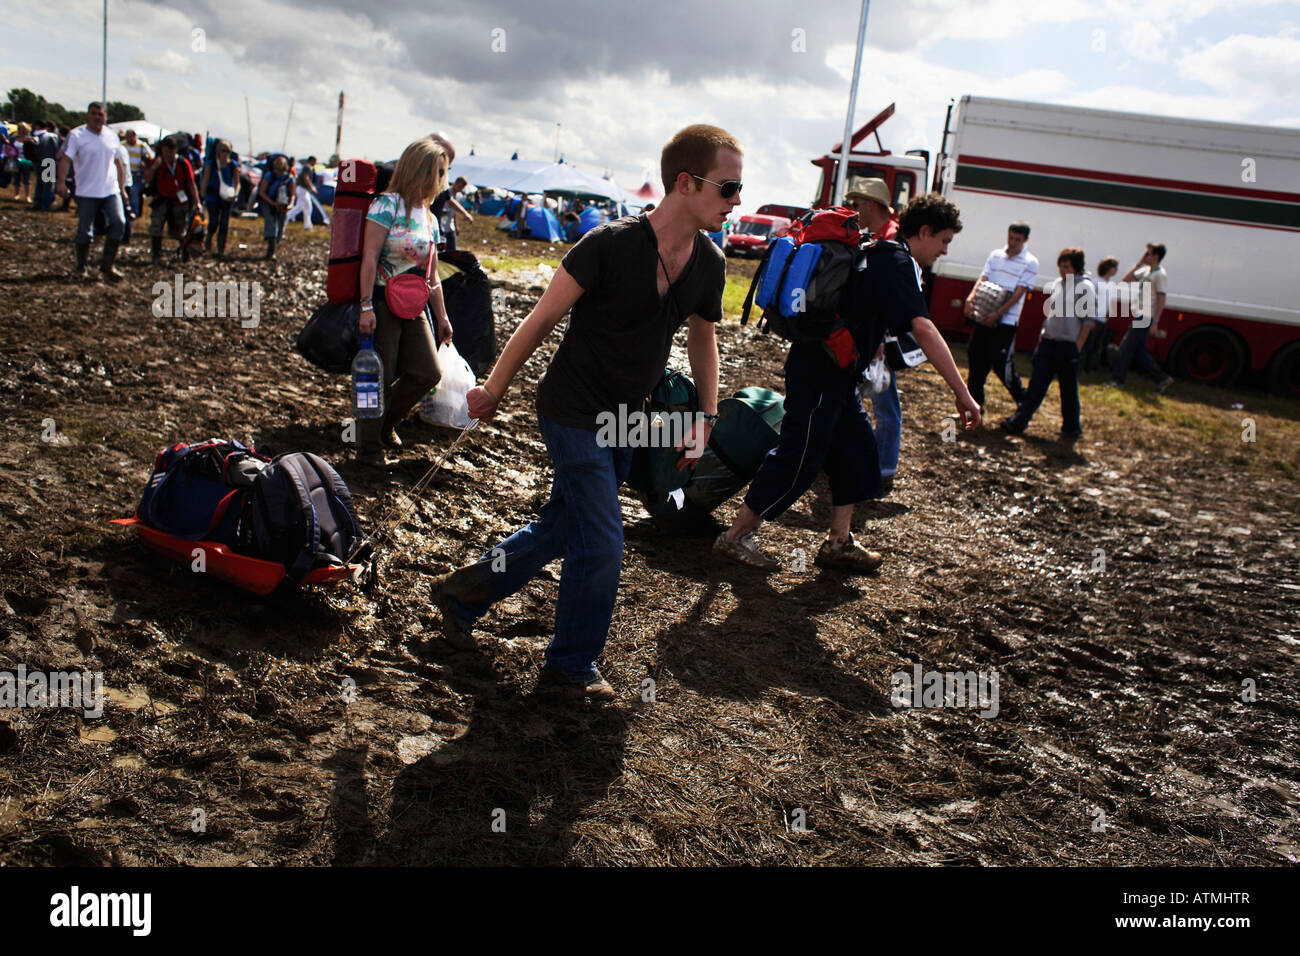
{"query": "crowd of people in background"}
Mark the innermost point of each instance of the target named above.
(175, 176)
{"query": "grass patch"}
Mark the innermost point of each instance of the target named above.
(508, 264)
(1204, 417)
(733, 296)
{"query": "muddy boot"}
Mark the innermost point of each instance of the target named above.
(221, 249)
(270, 248)
(155, 250)
(82, 249)
(110, 256)
(185, 252)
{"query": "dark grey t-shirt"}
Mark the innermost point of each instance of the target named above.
(620, 334)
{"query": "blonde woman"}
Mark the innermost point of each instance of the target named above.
(22, 172)
(401, 236)
(276, 191)
(220, 171)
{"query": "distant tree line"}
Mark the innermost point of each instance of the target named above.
(24, 106)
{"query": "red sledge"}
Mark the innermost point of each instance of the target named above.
(251, 574)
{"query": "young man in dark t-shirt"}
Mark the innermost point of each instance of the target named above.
(825, 426)
(631, 284)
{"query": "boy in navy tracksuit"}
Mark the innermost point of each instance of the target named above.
(825, 426)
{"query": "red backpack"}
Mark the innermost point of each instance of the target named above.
(800, 283)
(357, 186)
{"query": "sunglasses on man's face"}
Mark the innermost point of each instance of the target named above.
(727, 189)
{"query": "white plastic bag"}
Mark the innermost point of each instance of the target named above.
(875, 378)
(448, 404)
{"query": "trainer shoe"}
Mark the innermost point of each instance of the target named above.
(1163, 384)
(593, 688)
(849, 556)
(458, 632)
(390, 438)
(374, 458)
(886, 485)
(744, 550)
(1010, 426)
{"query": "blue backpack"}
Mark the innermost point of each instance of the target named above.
(800, 283)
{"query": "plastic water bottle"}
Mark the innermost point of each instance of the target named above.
(367, 381)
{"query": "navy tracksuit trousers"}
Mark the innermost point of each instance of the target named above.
(825, 429)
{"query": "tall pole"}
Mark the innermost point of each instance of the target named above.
(285, 145)
(338, 133)
(248, 117)
(103, 88)
(557, 142)
(842, 173)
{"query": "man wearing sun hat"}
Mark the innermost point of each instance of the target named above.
(870, 197)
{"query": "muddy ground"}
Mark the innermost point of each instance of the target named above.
(1121, 736)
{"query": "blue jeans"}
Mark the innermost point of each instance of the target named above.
(889, 426)
(88, 208)
(1133, 351)
(274, 225)
(43, 197)
(137, 193)
(218, 219)
(581, 523)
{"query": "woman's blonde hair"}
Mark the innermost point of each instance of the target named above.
(420, 175)
(280, 164)
(219, 145)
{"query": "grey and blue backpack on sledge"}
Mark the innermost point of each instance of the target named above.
(748, 427)
(300, 514)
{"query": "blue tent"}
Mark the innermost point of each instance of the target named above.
(590, 218)
(542, 224)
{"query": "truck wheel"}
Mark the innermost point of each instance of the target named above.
(1284, 371)
(1209, 355)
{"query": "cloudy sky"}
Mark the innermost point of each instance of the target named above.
(619, 78)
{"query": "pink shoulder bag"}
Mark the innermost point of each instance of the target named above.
(407, 294)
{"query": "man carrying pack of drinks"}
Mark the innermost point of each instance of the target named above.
(825, 426)
(631, 284)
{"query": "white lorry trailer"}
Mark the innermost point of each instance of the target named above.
(1224, 198)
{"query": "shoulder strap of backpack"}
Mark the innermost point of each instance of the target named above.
(753, 284)
(293, 471)
(338, 489)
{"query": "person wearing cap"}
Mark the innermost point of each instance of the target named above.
(870, 197)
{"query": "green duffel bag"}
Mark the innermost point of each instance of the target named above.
(748, 428)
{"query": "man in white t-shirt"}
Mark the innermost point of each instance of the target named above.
(1147, 309)
(993, 340)
(92, 151)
